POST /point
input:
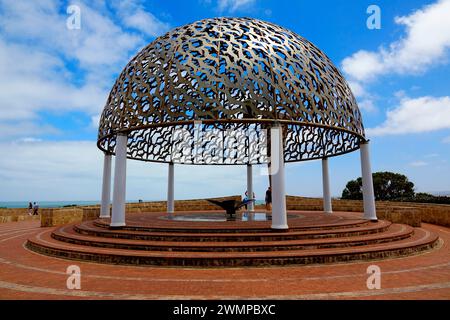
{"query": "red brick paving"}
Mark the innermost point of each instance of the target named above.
(27, 275)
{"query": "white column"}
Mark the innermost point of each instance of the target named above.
(106, 187)
(326, 187)
(279, 215)
(367, 183)
(170, 189)
(251, 205)
(120, 175)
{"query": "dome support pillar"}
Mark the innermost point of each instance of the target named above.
(120, 180)
(170, 190)
(367, 183)
(279, 215)
(105, 209)
(251, 205)
(327, 207)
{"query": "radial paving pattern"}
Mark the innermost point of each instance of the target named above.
(312, 238)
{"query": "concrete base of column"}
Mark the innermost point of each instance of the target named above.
(279, 214)
(367, 184)
(120, 174)
(105, 208)
(171, 190)
(327, 208)
(251, 205)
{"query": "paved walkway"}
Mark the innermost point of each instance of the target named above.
(27, 275)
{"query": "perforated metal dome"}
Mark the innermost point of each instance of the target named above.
(230, 75)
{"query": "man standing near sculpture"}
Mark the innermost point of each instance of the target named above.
(268, 199)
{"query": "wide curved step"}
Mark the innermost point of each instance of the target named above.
(150, 239)
(420, 240)
(69, 234)
(204, 234)
(140, 224)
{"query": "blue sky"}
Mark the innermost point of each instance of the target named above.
(54, 83)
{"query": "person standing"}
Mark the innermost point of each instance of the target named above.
(253, 196)
(35, 209)
(268, 199)
(30, 208)
(247, 199)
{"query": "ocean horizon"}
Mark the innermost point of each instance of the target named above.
(45, 204)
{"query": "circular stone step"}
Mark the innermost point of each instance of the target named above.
(69, 235)
(299, 221)
(419, 242)
(204, 235)
(321, 239)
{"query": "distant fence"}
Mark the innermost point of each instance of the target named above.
(61, 216)
(398, 212)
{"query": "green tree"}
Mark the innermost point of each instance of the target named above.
(353, 190)
(386, 185)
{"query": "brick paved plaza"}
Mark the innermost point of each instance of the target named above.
(28, 275)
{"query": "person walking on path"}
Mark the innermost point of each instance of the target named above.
(35, 209)
(268, 199)
(30, 208)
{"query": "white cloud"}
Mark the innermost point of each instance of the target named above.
(134, 16)
(95, 120)
(363, 65)
(418, 164)
(415, 115)
(367, 105)
(234, 5)
(432, 155)
(29, 139)
(366, 101)
(357, 89)
(100, 42)
(71, 170)
(46, 66)
(40, 82)
(425, 44)
(146, 23)
(49, 170)
(24, 130)
(43, 23)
